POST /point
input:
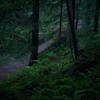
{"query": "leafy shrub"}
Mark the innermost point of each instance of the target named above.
(48, 80)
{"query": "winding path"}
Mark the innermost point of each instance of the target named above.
(13, 66)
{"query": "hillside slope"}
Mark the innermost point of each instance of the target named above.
(57, 77)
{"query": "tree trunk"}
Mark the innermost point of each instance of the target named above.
(61, 8)
(35, 33)
(72, 26)
(77, 16)
(96, 16)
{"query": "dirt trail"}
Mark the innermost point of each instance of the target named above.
(13, 66)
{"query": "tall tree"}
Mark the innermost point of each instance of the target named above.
(78, 5)
(96, 16)
(77, 14)
(61, 11)
(71, 18)
(35, 33)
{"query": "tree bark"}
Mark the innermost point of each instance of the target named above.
(72, 26)
(96, 18)
(35, 33)
(77, 16)
(61, 8)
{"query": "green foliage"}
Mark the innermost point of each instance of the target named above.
(14, 30)
(47, 80)
(93, 47)
(3, 61)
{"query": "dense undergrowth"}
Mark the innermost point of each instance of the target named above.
(52, 78)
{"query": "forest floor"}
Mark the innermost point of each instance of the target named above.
(12, 66)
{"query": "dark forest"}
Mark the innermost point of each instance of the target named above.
(49, 50)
